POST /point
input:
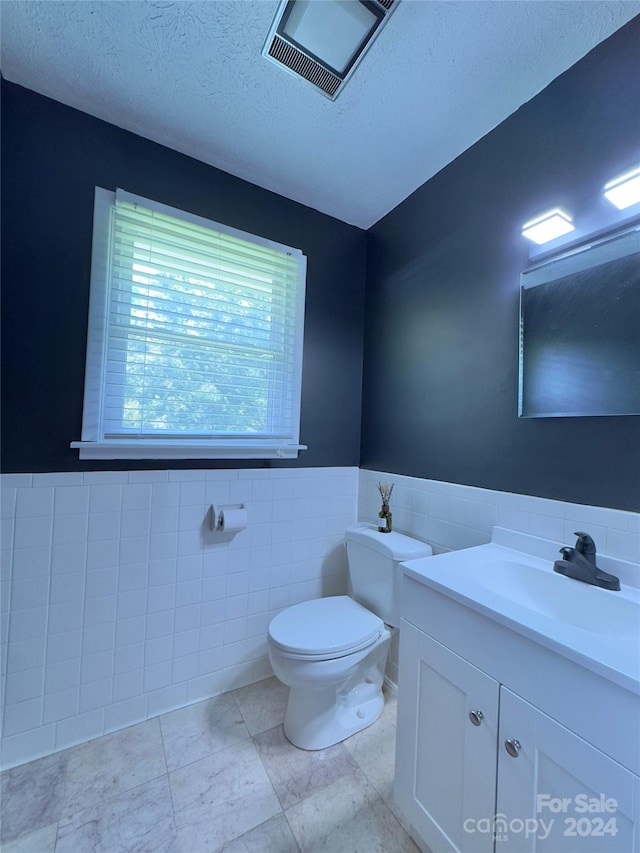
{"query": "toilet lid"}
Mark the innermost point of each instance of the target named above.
(333, 626)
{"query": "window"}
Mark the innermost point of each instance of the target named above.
(195, 338)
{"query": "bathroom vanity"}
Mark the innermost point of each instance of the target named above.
(519, 703)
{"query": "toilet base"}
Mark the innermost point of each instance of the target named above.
(339, 724)
(319, 717)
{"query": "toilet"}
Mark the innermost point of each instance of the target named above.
(332, 651)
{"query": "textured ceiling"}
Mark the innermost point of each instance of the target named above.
(190, 75)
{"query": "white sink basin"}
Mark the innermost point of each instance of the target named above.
(511, 580)
(586, 607)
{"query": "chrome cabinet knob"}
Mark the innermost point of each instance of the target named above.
(513, 747)
(476, 717)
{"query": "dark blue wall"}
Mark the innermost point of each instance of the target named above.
(53, 157)
(441, 327)
(441, 337)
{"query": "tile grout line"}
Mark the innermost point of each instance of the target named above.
(164, 753)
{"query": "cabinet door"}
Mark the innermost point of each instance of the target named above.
(556, 792)
(445, 764)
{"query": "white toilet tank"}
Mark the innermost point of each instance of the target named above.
(373, 567)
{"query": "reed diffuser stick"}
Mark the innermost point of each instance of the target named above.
(385, 490)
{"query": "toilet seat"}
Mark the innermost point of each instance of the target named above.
(324, 628)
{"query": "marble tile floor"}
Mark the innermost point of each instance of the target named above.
(215, 776)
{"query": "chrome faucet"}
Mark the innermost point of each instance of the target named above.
(580, 563)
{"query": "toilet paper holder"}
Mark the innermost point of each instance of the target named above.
(229, 518)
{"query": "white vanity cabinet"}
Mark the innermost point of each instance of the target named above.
(583, 801)
(445, 763)
(504, 744)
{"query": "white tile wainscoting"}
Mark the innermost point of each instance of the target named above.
(451, 516)
(119, 604)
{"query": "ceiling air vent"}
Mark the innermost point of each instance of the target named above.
(323, 41)
(304, 66)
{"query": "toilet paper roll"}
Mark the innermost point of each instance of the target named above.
(232, 519)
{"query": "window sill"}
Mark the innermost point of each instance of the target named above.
(184, 450)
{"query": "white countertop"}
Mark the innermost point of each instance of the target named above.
(511, 581)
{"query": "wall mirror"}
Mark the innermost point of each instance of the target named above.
(580, 331)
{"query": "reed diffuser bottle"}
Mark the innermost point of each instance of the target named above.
(384, 516)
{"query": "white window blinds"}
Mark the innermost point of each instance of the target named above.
(201, 335)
